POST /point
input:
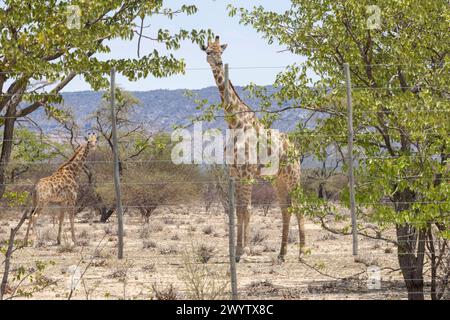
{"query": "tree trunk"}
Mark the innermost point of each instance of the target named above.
(411, 252)
(105, 213)
(7, 144)
(411, 249)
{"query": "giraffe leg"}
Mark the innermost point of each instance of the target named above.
(297, 210)
(240, 229)
(243, 198)
(60, 227)
(247, 215)
(301, 233)
(31, 224)
(284, 202)
(286, 216)
(72, 223)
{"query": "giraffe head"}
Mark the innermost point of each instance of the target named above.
(91, 140)
(214, 52)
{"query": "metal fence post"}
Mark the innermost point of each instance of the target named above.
(116, 166)
(231, 210)
(351, 177)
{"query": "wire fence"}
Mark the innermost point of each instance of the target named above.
(196, 242)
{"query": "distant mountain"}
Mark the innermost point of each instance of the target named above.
(162, 109)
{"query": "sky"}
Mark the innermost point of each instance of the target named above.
(246, 48)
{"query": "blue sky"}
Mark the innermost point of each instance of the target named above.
(246, 48)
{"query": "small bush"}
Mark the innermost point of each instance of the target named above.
(208, 229)
(149, 268)
(66, 247)
(149, 244)
(258, 237)
(200, 281)
(168, 220)
(165, 292)
(166, 250)
(205, 253)
(145, 232)
(108, 230)
(156, 227)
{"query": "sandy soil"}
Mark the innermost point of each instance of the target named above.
(162, 260)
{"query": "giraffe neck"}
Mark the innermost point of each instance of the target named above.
(237, 112)
(76, 163)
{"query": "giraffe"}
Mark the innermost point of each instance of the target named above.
(240, 116)
(61, 188)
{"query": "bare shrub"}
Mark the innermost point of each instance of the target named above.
(258, 237)
(201, 283)
(108, 230)
(269, 248)
(149, 244)
(168, 220)
(144, 232)
(166, 250)
(208, 229)
(256, 288)
(328, 236)
(113, 231)
(66, 247)
(84, 234)
(156, 227)
(205, 253)
(119, 273)
(84, 238)
(149, 268)
(168, 292)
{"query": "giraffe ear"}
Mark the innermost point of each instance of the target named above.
(224, 46)
(203, 47)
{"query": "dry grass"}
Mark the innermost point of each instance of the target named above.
(162, 254)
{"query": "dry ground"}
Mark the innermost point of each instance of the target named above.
(161, 260)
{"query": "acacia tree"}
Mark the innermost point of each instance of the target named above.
(45, 44)
(398, 56)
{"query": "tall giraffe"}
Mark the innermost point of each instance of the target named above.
(240, 116)
(61, 188)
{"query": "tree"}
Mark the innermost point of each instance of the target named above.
(133, 137)
(398, 56)
(45, 44)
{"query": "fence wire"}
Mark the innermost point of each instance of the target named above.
(311, 275)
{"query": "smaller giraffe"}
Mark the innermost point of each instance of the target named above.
(61, 188)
